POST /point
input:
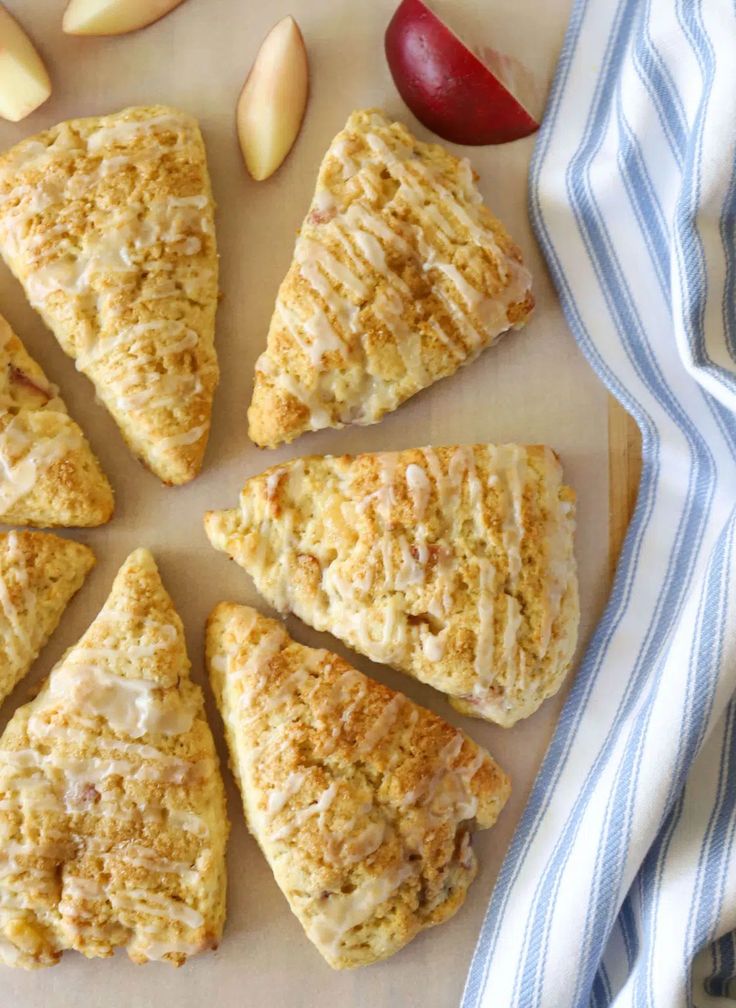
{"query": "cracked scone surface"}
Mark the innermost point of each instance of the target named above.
(362, 802)
(48, 473)
(108, 223)
(112, 809)
(452, 564)
(39, 574)
(400, 275)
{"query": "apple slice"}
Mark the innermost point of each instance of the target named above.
(272, 103)
(113, 17)
(24, 83)
(462, 97)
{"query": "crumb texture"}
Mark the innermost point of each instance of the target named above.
(400, 275)
(362, 802)
(452, 564)
(48, 474)
(108, 223)
(112, 810)
(39, 574)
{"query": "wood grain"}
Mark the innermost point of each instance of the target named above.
(624, 472)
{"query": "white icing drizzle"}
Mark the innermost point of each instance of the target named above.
(278, 797)
(316, 809)
(143, 901)
(381, 726)
(412, 570)
(335, 712)
(339, 150)
(77, 888)
(360, 847)
(133, 707)
(50, 262)
(187, 437)
(510, 461)
(73, 769)
(257, 663)
(127, 339)
(560, 529)
(54, 779)
(419, 489)
(338, 914)
(484, 647)
(157, 950)
(447, 484)
(447, 793)
(311, 251)
(120, 133)
(318, 415)
(189, 822)
(367, 231)
(414, 549)
(25, 458)
(18, 642)
(138, 856)
(272, 481)
(337, 903)
(323, 336)
(434, 645)
(510, 642)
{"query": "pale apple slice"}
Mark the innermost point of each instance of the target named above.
(113, 17)
(272, 103)
(24, 83)
(464, 96)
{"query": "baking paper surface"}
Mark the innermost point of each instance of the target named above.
(534, 387)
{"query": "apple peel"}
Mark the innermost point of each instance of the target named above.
(113, 17)
(463, 96)
(272, 103)
(24, 82)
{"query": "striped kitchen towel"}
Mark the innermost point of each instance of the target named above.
(620, 886)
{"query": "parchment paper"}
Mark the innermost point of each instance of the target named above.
(533, 387)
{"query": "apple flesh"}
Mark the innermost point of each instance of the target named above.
(460, 96)
(272, 103)
(24, 83)
(113, 17)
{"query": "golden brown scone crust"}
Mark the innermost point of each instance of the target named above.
(108, 223)
(48, 473)
(400, 275)
(362, 802)
(452, 564)
(112, 808)
(39, 574)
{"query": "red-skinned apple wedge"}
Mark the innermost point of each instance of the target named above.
(458, 95)
(24, 83)
(113, 17)
(272, 103)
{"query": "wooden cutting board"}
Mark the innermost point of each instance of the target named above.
(624, 472)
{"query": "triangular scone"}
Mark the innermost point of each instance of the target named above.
(362, 801)
(108, 223)
(112, 809)
(400, 275)
(39, 574)
(48, 474)
(452, 564)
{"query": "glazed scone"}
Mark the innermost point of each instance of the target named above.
(39, 574)
(452, 564)
(48, 474)
(108, 223)
(362, 802)
(112, 808)
(400, 275)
